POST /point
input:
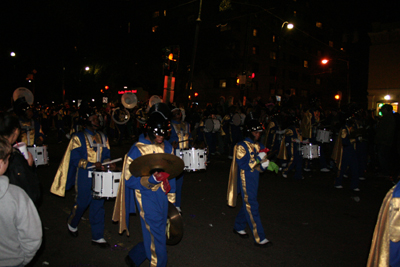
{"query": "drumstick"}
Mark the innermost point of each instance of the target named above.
(106, 163)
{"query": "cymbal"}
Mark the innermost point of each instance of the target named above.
(175, 229)
(148, 164)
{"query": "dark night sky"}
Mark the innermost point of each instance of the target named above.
(44, 34)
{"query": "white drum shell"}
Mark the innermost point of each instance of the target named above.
(40, 155)
(194, 159)
(324, 136)
(105, 184)
(310, 151)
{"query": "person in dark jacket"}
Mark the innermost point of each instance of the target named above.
(21, 171)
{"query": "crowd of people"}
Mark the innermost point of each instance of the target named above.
(256, 136)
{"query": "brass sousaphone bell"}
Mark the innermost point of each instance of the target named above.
(128, 100)
(23, 92)
(145, 166)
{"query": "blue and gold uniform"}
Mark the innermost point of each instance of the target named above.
(152, 204)
(291, 153)
(345, 157)
(248, 162)
(150, 195)
(84, 150)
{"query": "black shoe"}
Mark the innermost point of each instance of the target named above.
(266, 245)
(101, 245)
(73, 234)
(246, 235)
(129, 261)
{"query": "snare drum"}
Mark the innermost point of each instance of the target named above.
(324, 136)
(212, 125)
(105, 184)
(194, 159)
(40, 155)
(310, 151)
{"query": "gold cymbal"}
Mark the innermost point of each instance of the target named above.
(148, 164)
(174, 226)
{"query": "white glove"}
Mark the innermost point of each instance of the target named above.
(261, 155)
(265, 164)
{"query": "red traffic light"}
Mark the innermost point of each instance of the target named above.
(196, 94)
(106, 87)
(337, 97)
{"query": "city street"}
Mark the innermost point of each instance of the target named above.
(309, 222)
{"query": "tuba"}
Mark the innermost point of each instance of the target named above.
(23, 92)
(22, 100)
(129, 101)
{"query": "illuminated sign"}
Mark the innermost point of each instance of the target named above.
(127, 91)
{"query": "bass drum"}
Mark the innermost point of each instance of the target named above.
(212, 125)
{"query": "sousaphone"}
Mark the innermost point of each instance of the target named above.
(23, 92)
(129, 101)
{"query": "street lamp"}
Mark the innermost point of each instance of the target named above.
(12, 54)
(289, 26)
(326, 61)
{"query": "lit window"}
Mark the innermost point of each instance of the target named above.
(272, 55)
(294, 13)
(165, 13)
(292, 91)
(273, 38)
(330, 43)
(318, 24)
(305, 64)
(317, 81)
(254, 50)
(255, 32)
(222, 83)
(156, 14)
(154, 28)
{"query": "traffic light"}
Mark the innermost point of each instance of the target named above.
(196, 94)
(106, 87)
(166, 57)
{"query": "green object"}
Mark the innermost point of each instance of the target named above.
(273, 167)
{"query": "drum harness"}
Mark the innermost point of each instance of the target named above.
(28, 130)
(97, 146)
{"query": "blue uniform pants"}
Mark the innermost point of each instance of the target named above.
(249, 213)
(153, 210)
(84, 199)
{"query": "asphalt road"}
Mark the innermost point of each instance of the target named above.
(309, 222)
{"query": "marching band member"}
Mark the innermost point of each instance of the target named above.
(151, 194)
(249, 161)
(179, 139)
(32, 133)
(290, 147)
(87, 148)
(314, 116)
(345, 156)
